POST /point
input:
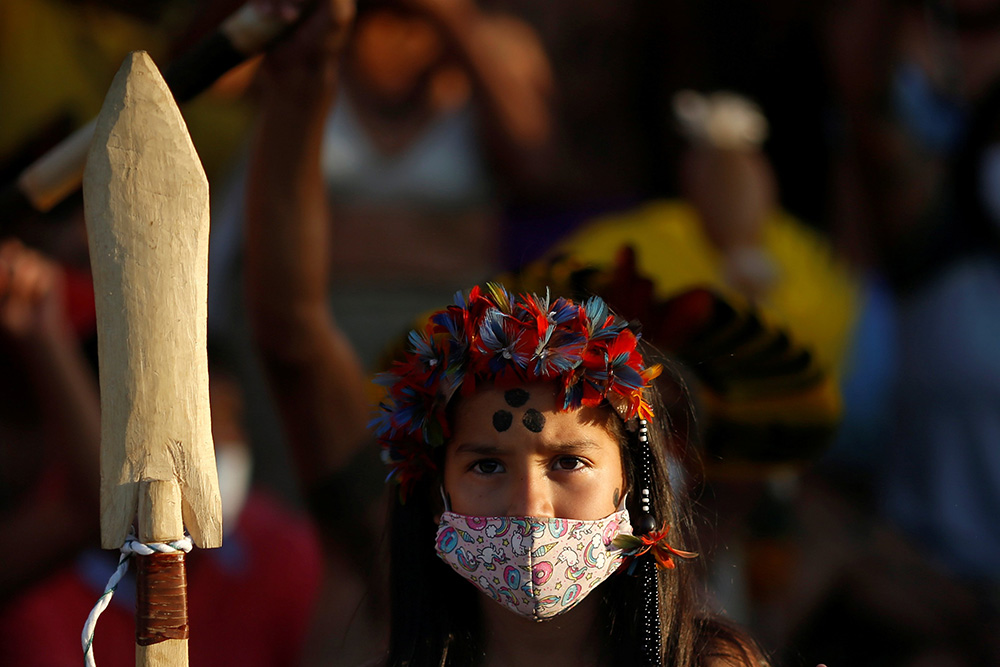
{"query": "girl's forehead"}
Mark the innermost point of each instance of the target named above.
(523, 410)
(541, 397)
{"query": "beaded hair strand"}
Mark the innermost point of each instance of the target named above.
(645, 524)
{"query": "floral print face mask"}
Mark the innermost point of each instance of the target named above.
(536, 567)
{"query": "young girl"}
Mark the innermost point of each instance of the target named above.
(535, 522)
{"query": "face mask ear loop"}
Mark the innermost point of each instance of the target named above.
(646, 523)
(445, 499)
(622, 504)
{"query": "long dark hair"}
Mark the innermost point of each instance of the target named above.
(434, 614)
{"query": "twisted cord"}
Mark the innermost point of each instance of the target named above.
(132, 547)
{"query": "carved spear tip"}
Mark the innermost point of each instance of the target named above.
(146, 205)
(140, 127)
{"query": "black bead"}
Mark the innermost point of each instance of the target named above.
(645, 523)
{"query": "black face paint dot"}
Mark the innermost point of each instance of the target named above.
(533, 420)
(516, 397)
(618, 497)
(502, 420)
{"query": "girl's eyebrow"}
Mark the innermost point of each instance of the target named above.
(474, 448)
(574, 446)
(559, 448)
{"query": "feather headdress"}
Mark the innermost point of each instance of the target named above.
(489, 337)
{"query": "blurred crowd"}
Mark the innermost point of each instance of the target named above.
(829, 172)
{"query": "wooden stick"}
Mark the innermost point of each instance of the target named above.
(58, 173)
(54, 176)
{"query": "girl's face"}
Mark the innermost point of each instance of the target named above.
(512, 453)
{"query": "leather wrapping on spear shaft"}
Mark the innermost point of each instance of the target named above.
(161, 599)
(161, 578)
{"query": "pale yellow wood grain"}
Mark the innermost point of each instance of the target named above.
(169, 653)
(146, 204)
(159, 511)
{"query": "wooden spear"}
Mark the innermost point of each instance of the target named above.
(146, 205)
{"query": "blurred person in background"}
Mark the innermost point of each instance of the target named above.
(49, 420)
(443, 106)
(909, 546)
(444, 110)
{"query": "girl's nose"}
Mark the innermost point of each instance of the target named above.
(531, 495)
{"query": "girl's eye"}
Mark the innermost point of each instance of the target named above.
(487, 467)
(569, 463)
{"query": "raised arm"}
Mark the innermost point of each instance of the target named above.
(316, 379)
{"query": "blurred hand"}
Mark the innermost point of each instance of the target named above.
(438, 9)
(318, 39)
(31, 294)
(514, 42)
